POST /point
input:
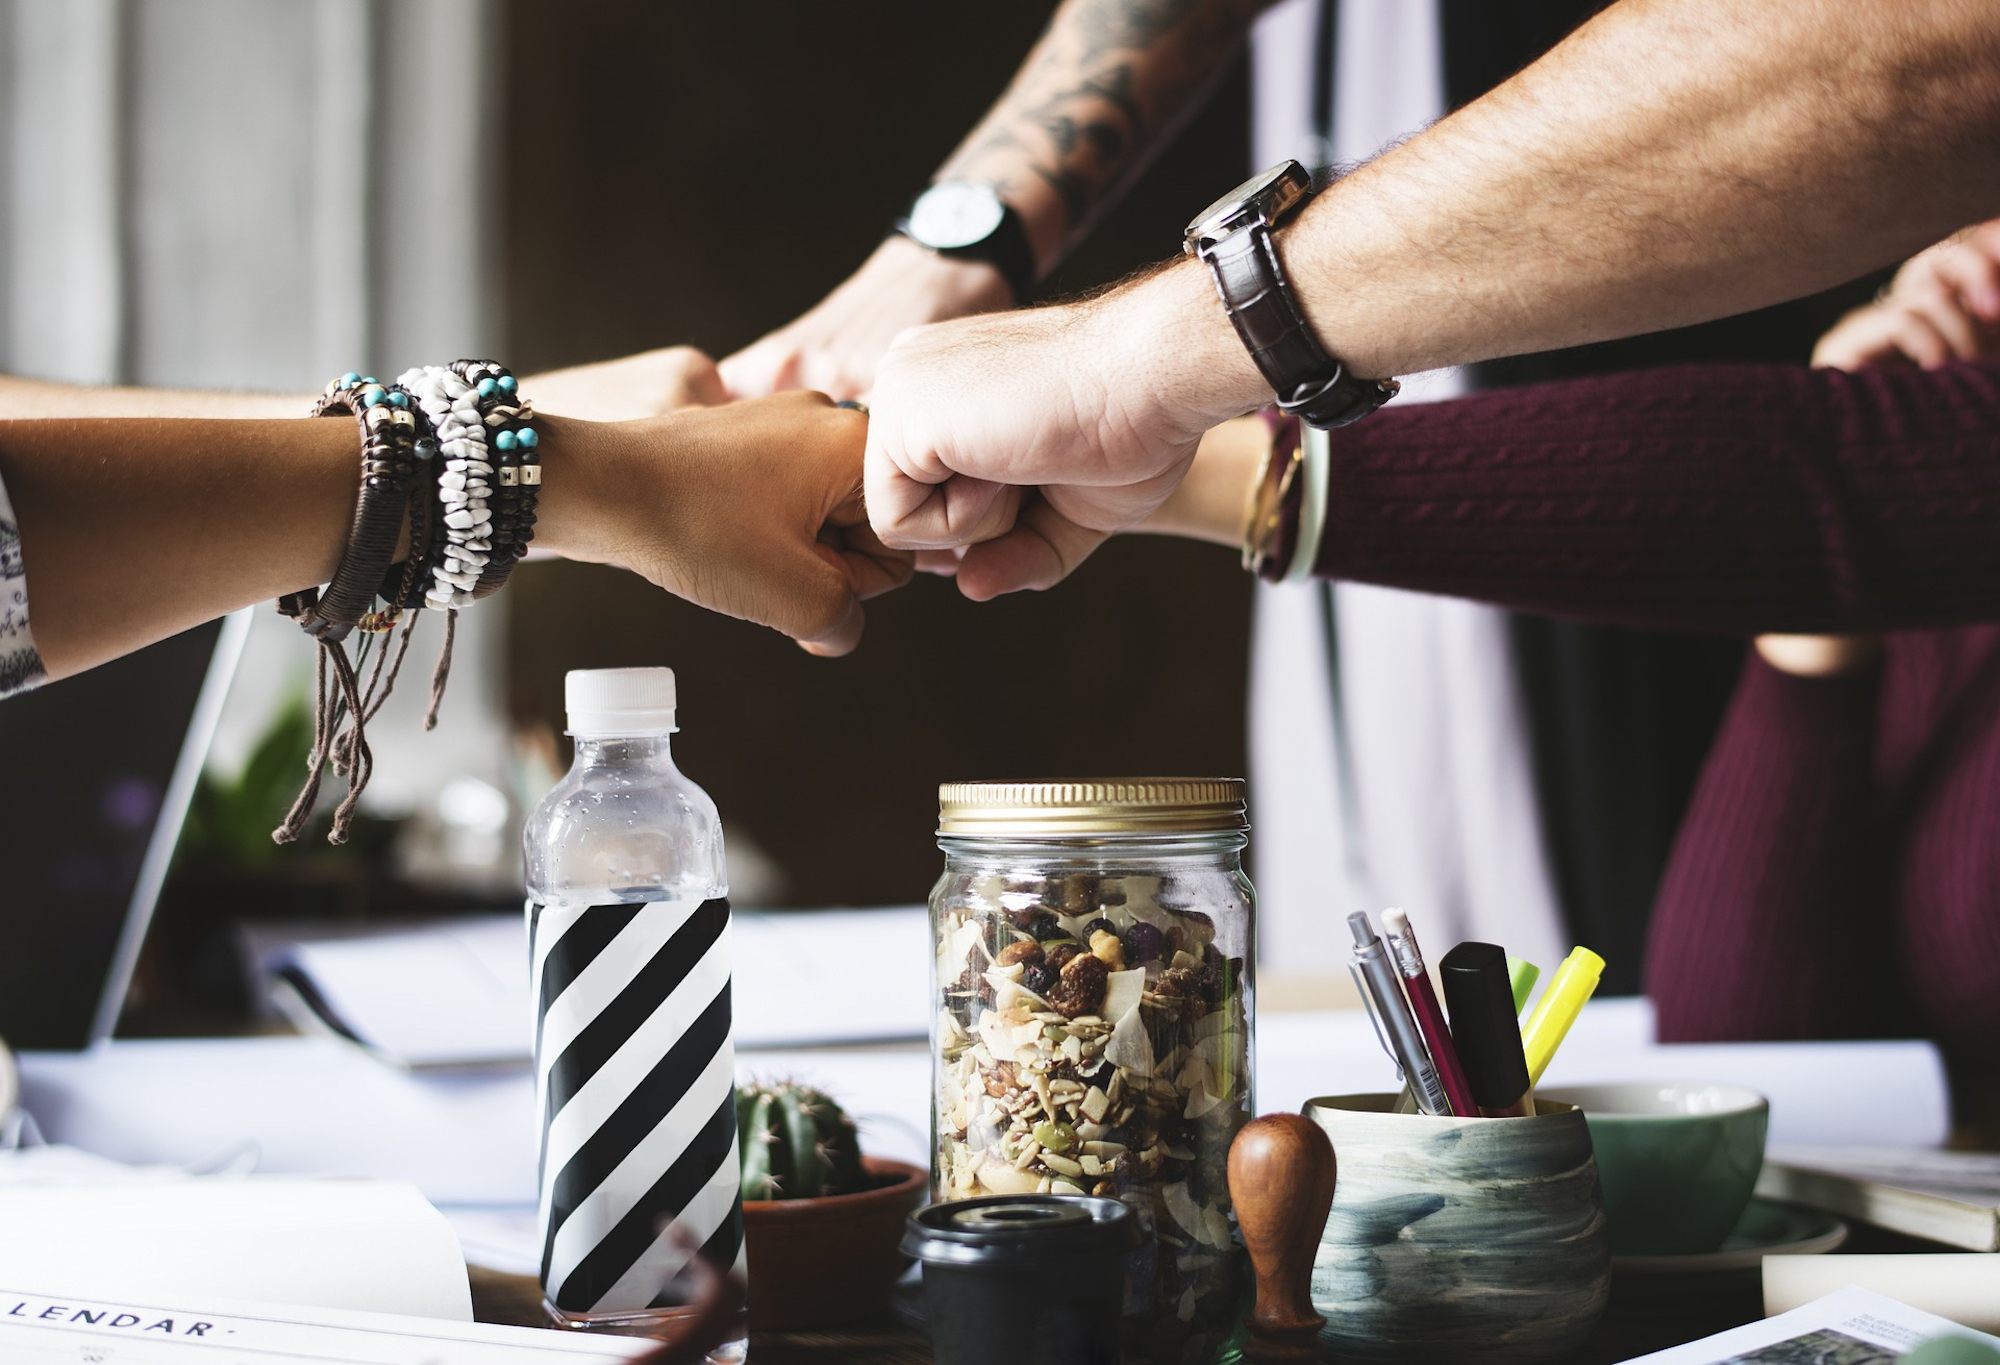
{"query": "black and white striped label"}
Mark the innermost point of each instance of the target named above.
(635, 1085)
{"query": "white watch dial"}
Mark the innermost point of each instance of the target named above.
(954, 215)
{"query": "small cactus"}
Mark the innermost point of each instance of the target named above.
(795, 1143)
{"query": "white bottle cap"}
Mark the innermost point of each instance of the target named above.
(619, 701)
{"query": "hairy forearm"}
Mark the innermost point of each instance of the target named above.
(1673, 161)
(1104, 89)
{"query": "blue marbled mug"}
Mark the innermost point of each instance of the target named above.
(1459, 1239)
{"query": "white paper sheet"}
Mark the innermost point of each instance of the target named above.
(1853, 1319)
(453, 994)
(355, 1244)
(456, 993)
(305, 1105)
(53, 1327)
(1962, 1286)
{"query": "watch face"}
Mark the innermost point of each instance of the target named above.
(954, 215)
(1267, 198)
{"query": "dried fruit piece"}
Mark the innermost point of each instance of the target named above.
(1030, 919)
(1060, 952)
(1022, 950)
(1100, 925)
(1048, 928)
(1076, 893)
(1039, 977)
(1080, 988)
(1197, 931)
(1143, 942)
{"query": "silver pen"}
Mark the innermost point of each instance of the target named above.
(1382, 991)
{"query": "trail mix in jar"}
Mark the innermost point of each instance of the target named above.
(1092, 1039)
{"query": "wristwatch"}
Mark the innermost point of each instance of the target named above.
(1234, 237)
(967, 221)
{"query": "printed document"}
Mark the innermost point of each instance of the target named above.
(38, 1328)
(1852, 1327)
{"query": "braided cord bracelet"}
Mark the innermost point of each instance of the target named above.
(388, 468)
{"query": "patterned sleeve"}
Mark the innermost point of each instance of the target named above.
(20, 663)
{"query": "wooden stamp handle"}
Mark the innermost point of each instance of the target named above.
(1281, 1178)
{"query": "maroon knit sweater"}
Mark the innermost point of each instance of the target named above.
(1836, 873)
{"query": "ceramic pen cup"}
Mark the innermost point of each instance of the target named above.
(1678, 1160)
(1460, 1240)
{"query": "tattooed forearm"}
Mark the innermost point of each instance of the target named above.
(1103, 90)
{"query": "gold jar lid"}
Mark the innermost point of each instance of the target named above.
(1092, 806)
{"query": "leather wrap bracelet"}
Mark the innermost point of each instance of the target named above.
(388, 466)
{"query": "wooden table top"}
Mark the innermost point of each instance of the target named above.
(1647, 1313)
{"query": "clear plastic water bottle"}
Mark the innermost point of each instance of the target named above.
(628, 929)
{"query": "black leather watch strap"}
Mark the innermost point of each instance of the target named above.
(1310, 384)
(1006, 249)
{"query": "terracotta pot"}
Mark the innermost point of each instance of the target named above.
(831, 1261)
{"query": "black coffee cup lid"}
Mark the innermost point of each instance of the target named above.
(1004, 1227)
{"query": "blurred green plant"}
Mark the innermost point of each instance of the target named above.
(229, 823)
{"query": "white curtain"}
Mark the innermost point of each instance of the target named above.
(1421, 794)
(242, 194)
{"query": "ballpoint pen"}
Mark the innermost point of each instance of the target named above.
(1485, 1028)
(1561, 1001)
(1522, 975)
(1430, 1015)
(1383, 992)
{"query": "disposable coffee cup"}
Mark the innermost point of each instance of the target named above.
(1032, 1279)
(1678, 1160)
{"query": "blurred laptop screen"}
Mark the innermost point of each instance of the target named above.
(90, 765)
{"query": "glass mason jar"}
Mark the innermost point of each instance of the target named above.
(1094, 974)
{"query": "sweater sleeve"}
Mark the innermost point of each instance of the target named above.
(1724, 498)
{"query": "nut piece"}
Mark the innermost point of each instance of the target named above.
(1106, 947)
(1080, 989)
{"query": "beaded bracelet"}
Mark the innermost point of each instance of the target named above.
(462, 421)
(514, 450)
(463, 484)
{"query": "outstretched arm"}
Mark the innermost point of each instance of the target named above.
(1105, 89)
(1724, 498)
(1672, 161)
(648, 384)
(132, 530)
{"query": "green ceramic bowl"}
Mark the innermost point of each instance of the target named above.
(1677, 1160)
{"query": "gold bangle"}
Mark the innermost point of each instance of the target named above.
(1274, 481)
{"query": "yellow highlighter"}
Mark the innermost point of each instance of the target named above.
(1562, 999)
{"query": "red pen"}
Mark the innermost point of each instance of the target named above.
(1430, 1016)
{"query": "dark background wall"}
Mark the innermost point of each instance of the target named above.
(704, 172)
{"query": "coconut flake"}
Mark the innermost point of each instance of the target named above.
(1130, 1048)
(1200, 1101)
(958, 951)
(1122, 991)
(998, 1037)
(1182, 1208)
